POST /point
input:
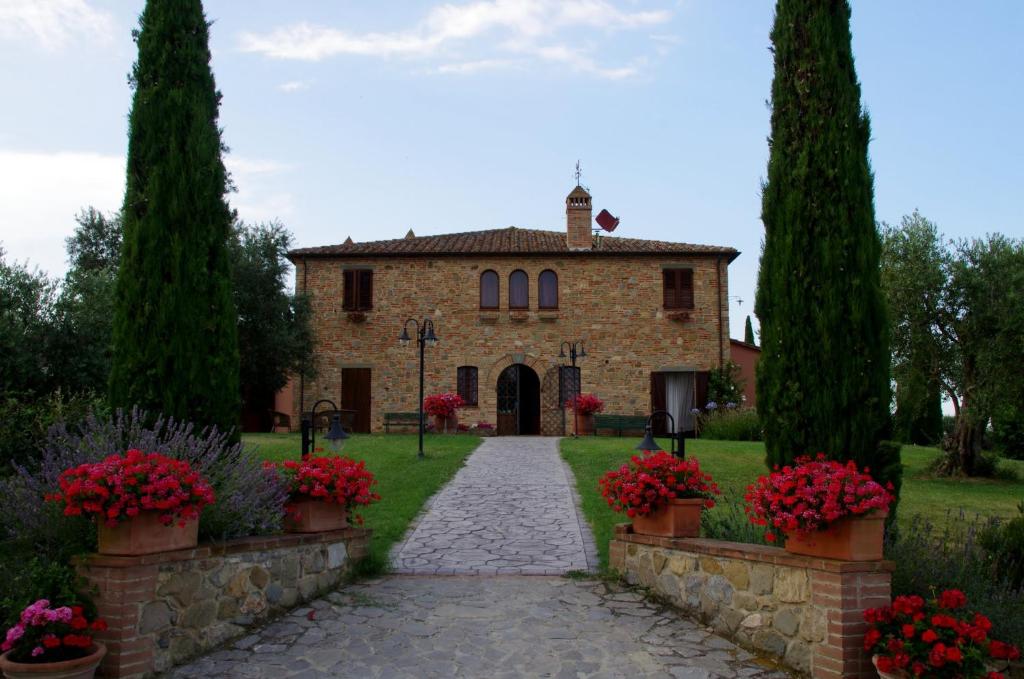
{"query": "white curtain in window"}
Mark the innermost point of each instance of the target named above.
(679, 399)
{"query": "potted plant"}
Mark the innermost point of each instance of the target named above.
(142, 502)
(936, 638)
(585, 406)
(824, 508)
(663, 495)
(322, 491)
(52, 643)
(443, 408)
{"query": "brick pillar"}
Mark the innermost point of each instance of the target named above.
(844, 596)
(122, 586)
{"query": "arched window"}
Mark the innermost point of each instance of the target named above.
(518, 290)
(489, 290)
(548, 285)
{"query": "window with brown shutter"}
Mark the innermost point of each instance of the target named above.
(518, 290)
(548, 287)
(677, 291)
(467, 384)
(489, 291)
(358, 295)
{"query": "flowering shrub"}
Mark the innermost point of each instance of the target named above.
(120, 487)
(339, 480)
(484, 425)
(648, 482)
(585, 404)
(810, 496)
(442, 405)
(938, 638)
(44, 634)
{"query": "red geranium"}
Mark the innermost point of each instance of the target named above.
(47, 634)
(339, 480)
(585, 404)
(120, 487)
(442, 405)
(937, 638)
(650, 481)
(811, 495)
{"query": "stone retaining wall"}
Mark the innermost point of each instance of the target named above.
(805, 611)
(165, 608)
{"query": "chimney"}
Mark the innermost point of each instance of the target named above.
(578, 219)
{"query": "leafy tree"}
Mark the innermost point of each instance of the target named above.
(96, 242)
(958, 308)
(725, 385)
(912, 278)
(175, 331)
(26, 297)
(275, 335)
(823, 377)
(748, 332)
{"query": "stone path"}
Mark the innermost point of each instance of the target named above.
(511, 510)
(473, 627)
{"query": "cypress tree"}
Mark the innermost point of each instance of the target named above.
(748, 332)
(175, 331)
(823, 377)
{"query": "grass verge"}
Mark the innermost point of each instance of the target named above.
(735, 464)
(404, 482)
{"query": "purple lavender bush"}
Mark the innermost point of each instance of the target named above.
(249, 497)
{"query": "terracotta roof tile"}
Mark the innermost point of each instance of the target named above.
(511, 240)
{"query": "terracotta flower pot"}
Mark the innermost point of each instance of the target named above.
(584, 424)
(887, 675)
(678, 519)
(79, 668)
(316, 516)
(446, 425)
(853, 538)
(144, 534)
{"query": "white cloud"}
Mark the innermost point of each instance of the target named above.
(294, 85)
(526, 25)
(53, 23)
(468, 67)
(41, 194)
(258, 196)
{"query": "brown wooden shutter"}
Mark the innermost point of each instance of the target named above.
(365, 290)
(466, 377)
(701, 389)
(668, 288)
(660, 423)
(684, 288)
(349, 301)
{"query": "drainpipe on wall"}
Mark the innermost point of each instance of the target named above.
(721, 347)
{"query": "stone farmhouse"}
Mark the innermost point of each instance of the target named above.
(652, 317)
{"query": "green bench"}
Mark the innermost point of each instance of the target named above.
(402, 420)
(620, 423)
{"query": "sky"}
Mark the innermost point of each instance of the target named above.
(366, 119)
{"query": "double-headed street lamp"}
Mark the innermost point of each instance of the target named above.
(576, 351)
(424, 337)
(650, 445)
(336, 435)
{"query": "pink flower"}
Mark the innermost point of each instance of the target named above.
(37, 651)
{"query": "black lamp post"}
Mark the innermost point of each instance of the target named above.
(335, 435)
(576, 351)
(650, 445)
(424, 337)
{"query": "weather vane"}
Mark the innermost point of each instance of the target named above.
(579, 173)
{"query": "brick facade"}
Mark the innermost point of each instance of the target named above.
(611, 301)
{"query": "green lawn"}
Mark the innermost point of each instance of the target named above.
(735, 464)
(404, 482)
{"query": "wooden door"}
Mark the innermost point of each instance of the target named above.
(508, 401)
(355, 395)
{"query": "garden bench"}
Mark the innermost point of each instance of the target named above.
(620, 423)
(401, 420)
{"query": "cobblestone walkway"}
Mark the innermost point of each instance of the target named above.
(511, 510)
(481, 628)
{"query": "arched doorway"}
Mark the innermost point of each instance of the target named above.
(518, 401)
